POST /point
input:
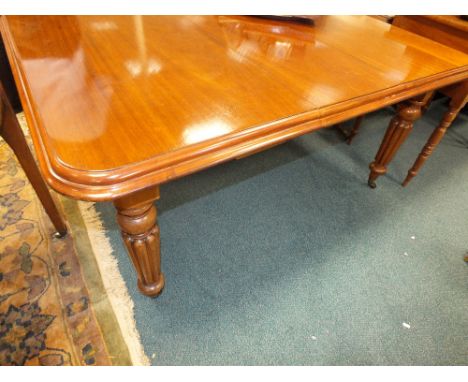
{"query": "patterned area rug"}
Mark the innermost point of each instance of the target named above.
(55, 308)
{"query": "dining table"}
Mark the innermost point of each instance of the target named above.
(119, 105)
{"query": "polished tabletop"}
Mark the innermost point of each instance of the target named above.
(115, 99)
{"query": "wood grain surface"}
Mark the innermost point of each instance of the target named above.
(119, 104)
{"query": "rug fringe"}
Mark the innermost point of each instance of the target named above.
(114, 283)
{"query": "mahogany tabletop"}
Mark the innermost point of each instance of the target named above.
(119, 103)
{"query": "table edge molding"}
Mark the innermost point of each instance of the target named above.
(101, 185)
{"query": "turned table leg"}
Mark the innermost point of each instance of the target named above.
(433, 141)
(399, 128)
(137, 218)
(459, 98)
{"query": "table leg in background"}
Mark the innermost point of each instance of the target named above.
(457, 102)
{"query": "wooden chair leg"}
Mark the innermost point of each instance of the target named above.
(14, 137)
(434, 140)
(7, 81)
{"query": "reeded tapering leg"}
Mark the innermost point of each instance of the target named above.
(13, 135)
(433, 141)
(137, 218)
(399, 128)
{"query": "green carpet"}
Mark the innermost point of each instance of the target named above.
(288, 257)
